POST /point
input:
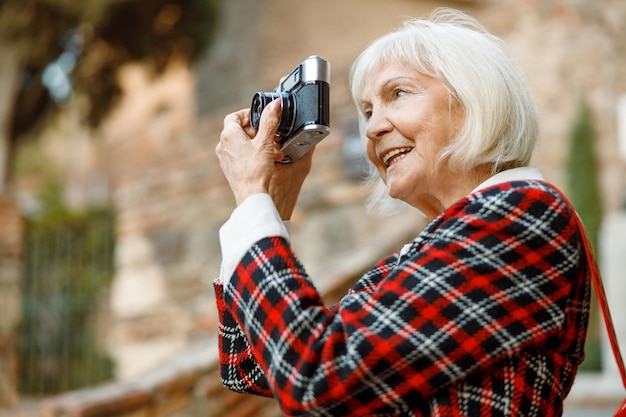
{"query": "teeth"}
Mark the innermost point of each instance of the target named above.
(389, 156)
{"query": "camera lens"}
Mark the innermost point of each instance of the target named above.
(288, 111)
(259, 102)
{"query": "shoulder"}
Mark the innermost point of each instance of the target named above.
(516, 200)
(370, 280)
(512, 210)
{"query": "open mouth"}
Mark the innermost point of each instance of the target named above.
(395, 155)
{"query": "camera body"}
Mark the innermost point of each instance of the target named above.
(304, 119)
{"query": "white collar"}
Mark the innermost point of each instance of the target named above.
(514, 174)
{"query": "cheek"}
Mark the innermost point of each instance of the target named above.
(369, 149)
(371, 154)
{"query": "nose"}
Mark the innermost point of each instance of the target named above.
(378, 125)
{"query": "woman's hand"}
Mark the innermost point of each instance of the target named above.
(247, 158)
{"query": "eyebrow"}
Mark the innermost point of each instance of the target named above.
(390, 81)
(394, 79)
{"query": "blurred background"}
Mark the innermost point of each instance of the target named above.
(111, 197)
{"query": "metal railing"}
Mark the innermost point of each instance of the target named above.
(68, 265)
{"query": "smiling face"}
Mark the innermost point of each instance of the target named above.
(410, 119)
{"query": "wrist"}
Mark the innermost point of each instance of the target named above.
(285, 210)
(286, 203)
(242, 195)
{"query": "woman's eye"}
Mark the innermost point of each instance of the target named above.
(398, 92)
(367, 114)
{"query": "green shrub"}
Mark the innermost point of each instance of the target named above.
(584, 193)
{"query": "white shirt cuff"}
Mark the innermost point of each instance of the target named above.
(254, 219)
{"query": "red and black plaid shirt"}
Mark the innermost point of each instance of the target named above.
(485, 315)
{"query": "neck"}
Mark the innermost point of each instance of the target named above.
(457, 186)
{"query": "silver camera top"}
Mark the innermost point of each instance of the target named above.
(314, 68)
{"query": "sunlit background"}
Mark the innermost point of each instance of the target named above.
(111, 197)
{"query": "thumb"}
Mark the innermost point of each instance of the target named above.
(268, 125)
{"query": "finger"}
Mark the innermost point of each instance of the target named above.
(244, 116)
(270, 118)
(250, 131)
(238, 121)
(241, 118)
(278, 155)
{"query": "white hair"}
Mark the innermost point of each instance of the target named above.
(501, 125)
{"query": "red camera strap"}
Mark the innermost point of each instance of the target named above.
(604, 305)
(602, 301)
(606, 313)
(601, 295)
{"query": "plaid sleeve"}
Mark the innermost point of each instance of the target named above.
(238, 368)
(488, 304)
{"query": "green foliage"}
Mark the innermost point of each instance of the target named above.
(593, 347)
(68, 266)
(584, 193)
(107, 34)
(584, 183)
(141, 31)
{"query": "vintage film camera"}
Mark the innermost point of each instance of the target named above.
(304, 120)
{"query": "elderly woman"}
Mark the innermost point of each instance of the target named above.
(484, 313)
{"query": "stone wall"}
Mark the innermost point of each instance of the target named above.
(166, 191)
